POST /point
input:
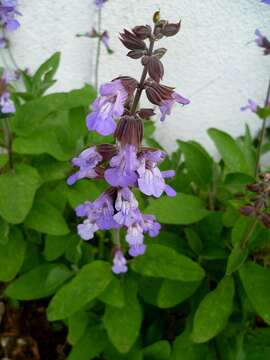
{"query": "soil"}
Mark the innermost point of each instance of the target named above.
(26, 334)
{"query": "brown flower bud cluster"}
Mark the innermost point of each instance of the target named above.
(258, 206)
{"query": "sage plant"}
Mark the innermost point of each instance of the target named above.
(128, 164)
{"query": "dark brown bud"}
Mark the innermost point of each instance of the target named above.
(155, 69)
(136, 54)
(145, 60)
(130, 84)
(171, 29)
(254, 187)
(142, 32)
(146, 113)
(159, 53)
(107, 151)
(266, 220)
(131, 41)
(157, 93)
(247, 210)
(129, 131)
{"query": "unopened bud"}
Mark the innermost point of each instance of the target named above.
(155, 69)
(171, 29)
(254, 187)
(156, 17)
(247, 210)
(266, 220)
(143, 31)
(146, 113)
(145, 60)
(159, 53)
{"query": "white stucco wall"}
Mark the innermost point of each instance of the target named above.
(210, 61)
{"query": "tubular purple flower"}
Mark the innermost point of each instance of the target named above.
(8, 13)
(109, 105)
(135, 237)
(86, 161)
(166, 105)
(6, 104)
(151, 179)
(252, 105)
(126, 206)
(119, 263)
(151, 226)
(123, 166)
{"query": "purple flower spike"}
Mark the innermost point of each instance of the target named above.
(166, 106)
(123, 166)
(86, 161)
(151, 179)
(266, 2)
(109, 105)
(119, 263)
(8, 13)
(252, 105)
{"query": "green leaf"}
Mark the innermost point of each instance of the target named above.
(89, 283)
(181, 210)
(230, 152)
(172, 292)
(17, 191)
(160, 350)
(30, 116)
(84, 190)
(45, 218)
(4, 231)
(90, 345)
(38, 283)
(55, 246)
(256, 280)
(11, 255)
(199, 166)
(161, 261)
(77, 323)
(114, 294)
(213, 312)
(123, 325)
(236, 259)
(194, 241)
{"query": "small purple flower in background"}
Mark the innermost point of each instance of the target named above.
(108, 106)
(105, 38)
(99, 3)
(262, 42)
(3, 43)
(86, 161)
(166, 106)
(6, 104)
(252, 105)
(8, 15)
(119, 263)
(266, 2)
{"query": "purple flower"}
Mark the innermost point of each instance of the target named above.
(6, 104)
(166, 106)
(123, 166)
(119, 263)
(86, 161)
(262, 42)
(151, 226)
(8, 13)
(109, 105)
(252, 105)
(105, 40)
(99, 216)
(266, 2)
(126, 206)
(3, 43)
(99, 3)
(151, 179)
(135, 237)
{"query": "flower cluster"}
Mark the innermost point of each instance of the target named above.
(127, 164)
(258, 206)
(6, 104)
(8, 13)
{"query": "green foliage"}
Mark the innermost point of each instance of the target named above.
(200, 292)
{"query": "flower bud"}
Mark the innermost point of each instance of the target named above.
(136, 54)
(266, 220)
(129, 131)
(159, 53)
(145, 60)
(156, 17)
(146, 113)
(254, 187)
(155, 69)
(131, 41)
(171, 29)
(247, 210)
(142, 32)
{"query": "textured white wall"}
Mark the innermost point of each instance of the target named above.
(210, 61)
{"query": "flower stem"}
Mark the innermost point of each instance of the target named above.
(141, 84)
(116, 238)
(262, 134)
(98, 49)
(8, 140)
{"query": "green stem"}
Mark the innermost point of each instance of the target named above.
(116, 238)
(98, 49)
(262, 134)
(8, 140)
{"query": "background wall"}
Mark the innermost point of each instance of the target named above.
(212, 61)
